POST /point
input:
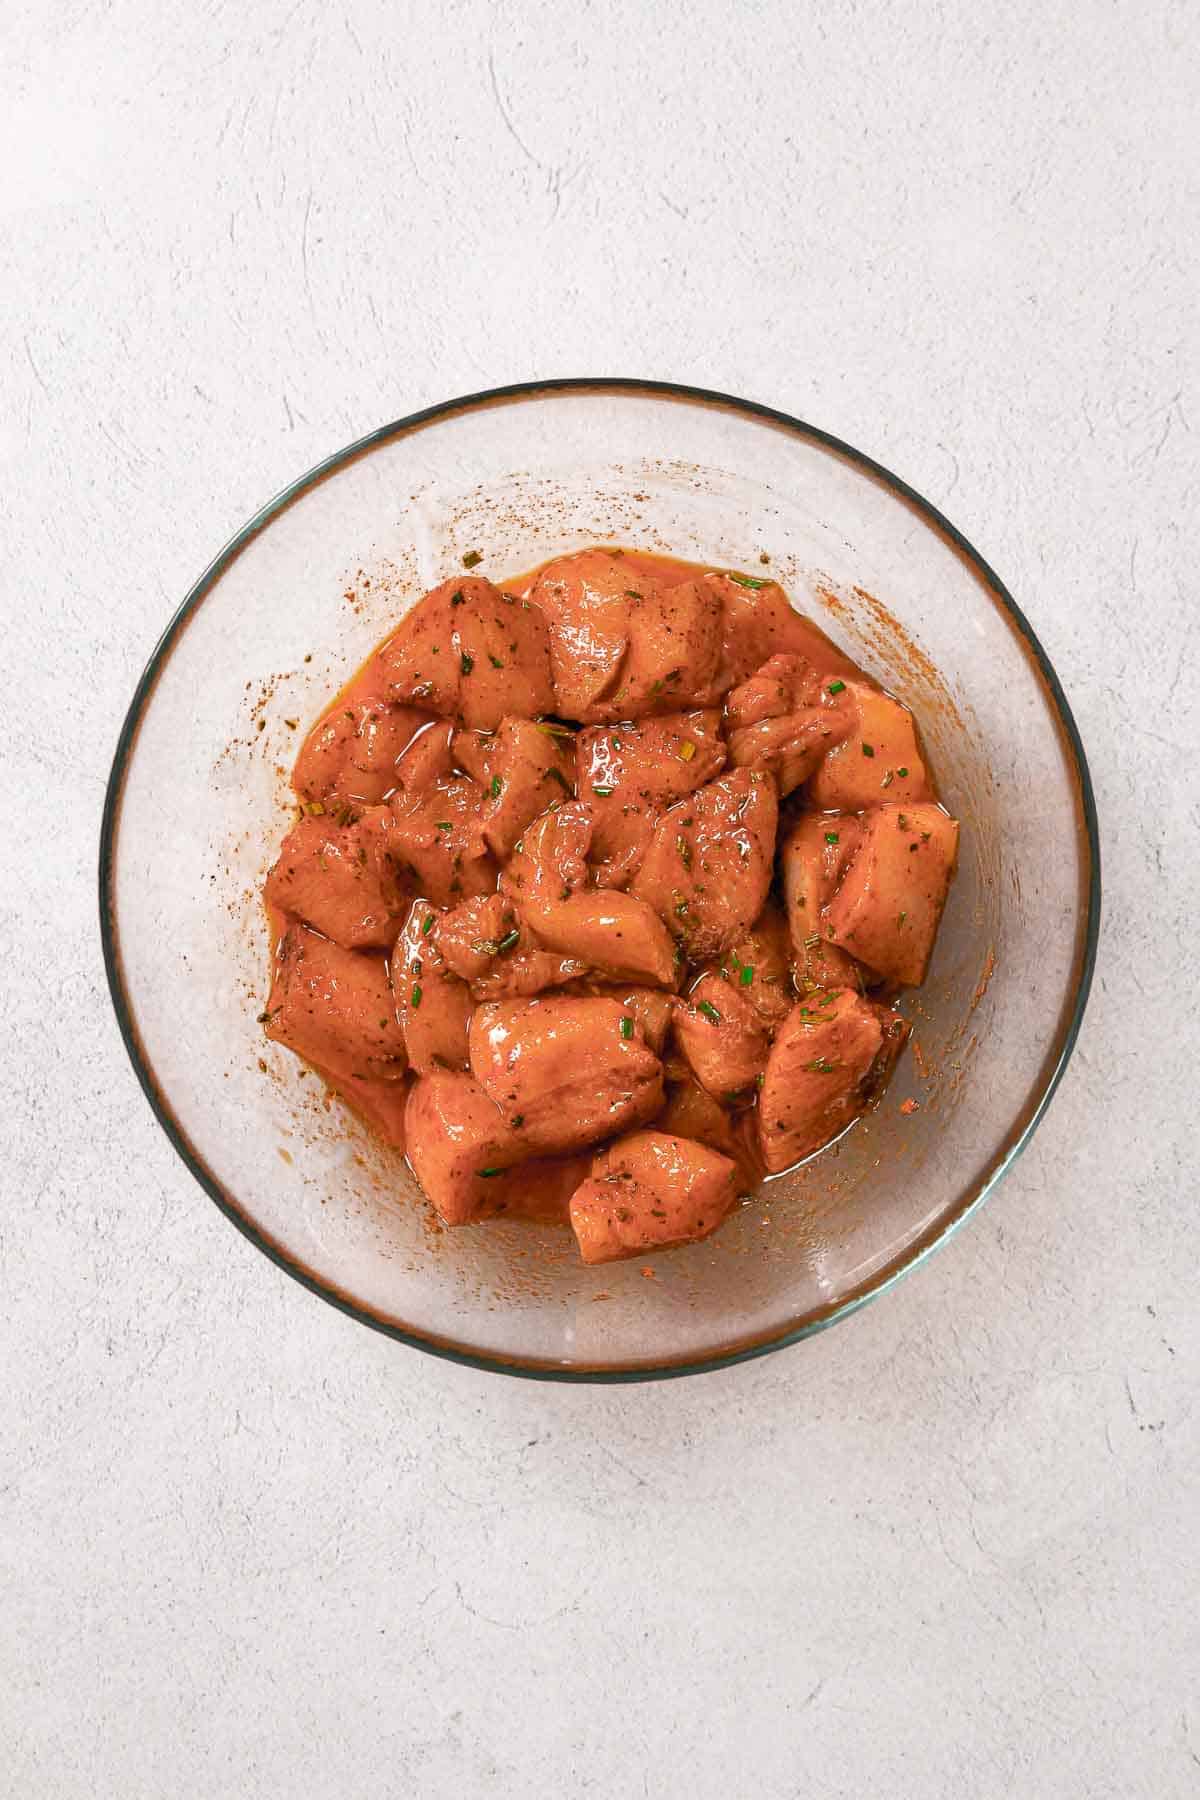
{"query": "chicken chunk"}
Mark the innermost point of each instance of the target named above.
(651, 1007)
(784, 719)
(812, 856)
(522, 768)
(876, 760)
(758, 965)
(630, 773)
(723, 1040)
(611, 932)
(350, 754)
(434, 1005)
(818, 1075)
(381, 1105)
(708, 867)
(341, 879)
(565, 1071)
(623, 641)
(757, 620)
(651, 1191)
(459, 1146)
(334, 1008)
(436, 836)
(691, 1112)
(888, 905)
(471, 653)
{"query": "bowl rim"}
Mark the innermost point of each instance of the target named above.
(1027, 1118)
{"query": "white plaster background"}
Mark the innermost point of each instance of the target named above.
(248, 1548)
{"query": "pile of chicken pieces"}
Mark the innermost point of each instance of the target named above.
(600, 893)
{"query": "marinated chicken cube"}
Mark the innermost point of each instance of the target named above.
(812, 856)
(350, 755)
(691, 1112)
(651, 1191)
(563, 1071)
(624, 641)
(459, 1146)
(341, 879)
(759, 965)
(630, 773)
(784, 719)
(436, 837)
(471, 653)
(818, 1075)
(758, 619)
(889, 902)
(721, 1036)
(876, 760)
(334, 1007)
(434, 1005)
(651, 1007)
(523, 768)
(708, 867)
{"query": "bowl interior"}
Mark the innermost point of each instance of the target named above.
(201, 799)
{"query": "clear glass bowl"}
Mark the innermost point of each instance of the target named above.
(199, 798)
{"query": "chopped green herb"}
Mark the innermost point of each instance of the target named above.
(709, 1011)
(552, 729)
(626, 1027)
(656, 687)
(747, 975)
(758, 1080)
(488, 1173)
(508, 940)
(518, 1121)
(632, 594)
(472, 559)
(495, 661)
(831, 837)
(902, 773)
(602, 792)
(820, 1065)
(616, 743)
(414, 998)
(681, 908)
(836, 687)
(685, 851)
(444, 825)
(457, 598)
(466, 663)
(495, 787)
(902, 918)
(746, 581)
(868, 750)
(557, 775)
(427, 926)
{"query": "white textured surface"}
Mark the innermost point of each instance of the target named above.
(248, 1548)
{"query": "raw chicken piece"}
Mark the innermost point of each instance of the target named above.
(334, 1008)
(649, 1006)
(651, 1191)
(565, 1071)
(783, 719)
(471, 653)
(381, 1105)
(758, 620)
(474, 933)
(610, 932)
(350, 754)
(459, 1146)
(624, 642)
(877, 760)
(630, 773)
(758, 965)
(691, 1112)
(723, 1040)
(820, 1073)
(436, 837)
(812, 856)
(889, 903)
(522, 768)
(341, 879)
(708, 867)
(434, 1005)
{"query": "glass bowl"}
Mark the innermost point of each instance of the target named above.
(198, 801)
